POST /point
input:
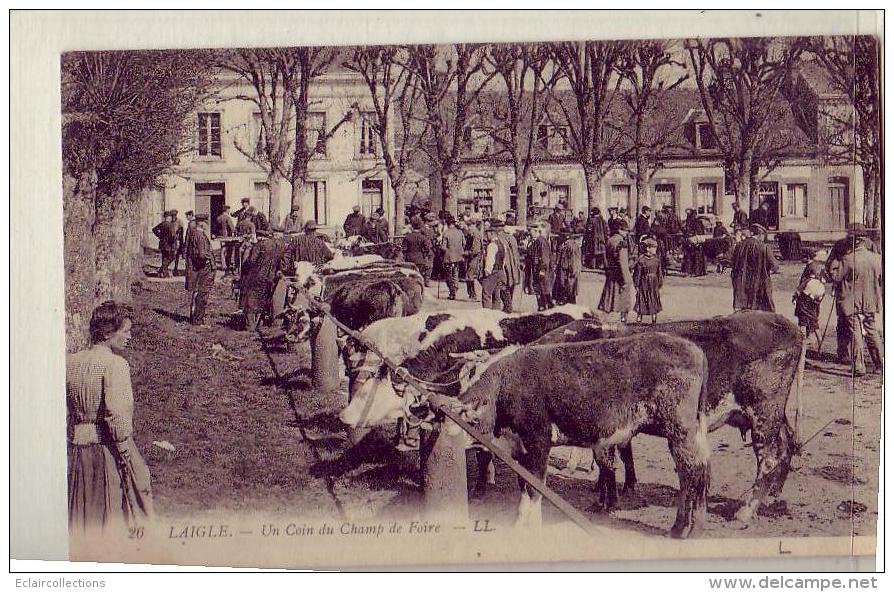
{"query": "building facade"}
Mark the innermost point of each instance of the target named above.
(220, 170)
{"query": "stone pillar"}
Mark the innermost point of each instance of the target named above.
(446, 494)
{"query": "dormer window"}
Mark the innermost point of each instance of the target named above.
(553, 138)
(704, 136)
(477, 140)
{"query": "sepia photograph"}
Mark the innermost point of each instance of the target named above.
(454, 303)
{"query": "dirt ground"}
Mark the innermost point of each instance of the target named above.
(250, 436)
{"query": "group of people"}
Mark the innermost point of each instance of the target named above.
(373, 230)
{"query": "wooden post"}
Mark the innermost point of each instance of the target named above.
(446, 496)
(324, 357)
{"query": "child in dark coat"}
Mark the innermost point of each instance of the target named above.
(647, 278)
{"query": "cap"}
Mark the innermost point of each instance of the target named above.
(758, 229)
(650, 242)
(310, 225)
(356, 208)
(431, 217)
(202, 217)
(246, 200)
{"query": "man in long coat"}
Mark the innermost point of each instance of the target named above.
(595, 237)
(858, 278)
(354, 223)
(567, 270)
(202, 266)
(258, 279)
(752, 265)
(166, 231)
(474, 253)
(542, 267)
(419, 248)
(616, 294)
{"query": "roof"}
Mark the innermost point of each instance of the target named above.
(818, 80)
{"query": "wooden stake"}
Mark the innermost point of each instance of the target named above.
(324, 357)
(446, 494)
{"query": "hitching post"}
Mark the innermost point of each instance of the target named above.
(324, 357)
(446, 494)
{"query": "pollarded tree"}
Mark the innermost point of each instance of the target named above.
(125, 123)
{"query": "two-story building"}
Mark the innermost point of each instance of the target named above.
(806, 191)
(222, 168)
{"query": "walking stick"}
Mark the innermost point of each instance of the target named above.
(819, 347)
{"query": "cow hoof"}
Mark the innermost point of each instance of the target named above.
(745, 514)
(681, 532)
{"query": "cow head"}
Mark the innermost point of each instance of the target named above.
(298, 314)
(374, 403)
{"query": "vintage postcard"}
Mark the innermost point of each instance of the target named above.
(583, 298)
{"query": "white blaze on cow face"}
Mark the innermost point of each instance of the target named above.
(375, 403)
(307, 278)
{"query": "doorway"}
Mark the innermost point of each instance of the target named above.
(210, 200)
(839, 203)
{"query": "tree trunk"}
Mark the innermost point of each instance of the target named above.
(400, 208)
(640, 183)
(521, 196)
(593, 179)
(450, 192)
(80, 258)
(115, 254)
(747, 184)
(274, 185)
(297, 196)
(872, 213)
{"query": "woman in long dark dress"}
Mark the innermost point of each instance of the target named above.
(648, 279)
(809, 295)
(108, 480)
(618, 281)
(693, 253)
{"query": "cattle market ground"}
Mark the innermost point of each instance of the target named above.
(251, 438)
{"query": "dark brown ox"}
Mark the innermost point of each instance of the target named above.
(600, 394)
(754, 356)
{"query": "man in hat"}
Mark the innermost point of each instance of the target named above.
(763, 216)
(376, 229)
(419, 248)
(310, 246)
(643, 223)
(474, 253)
(166, 231)
(567, 266)
(292, 222)
(259, 220)
(354, 222)
(557, 220)
(202, 268)
(502, 268)
(752, 265)
(542, 267)
(187, 244)
(178, 232)
(242, 211)
(858, 281)
(595, 236)
(453, 247)
(226, 229)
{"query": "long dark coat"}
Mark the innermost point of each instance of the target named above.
(568, 268)
(259, 276)
(474, 253)
(752, 265)
(542, 268)
(618, 282)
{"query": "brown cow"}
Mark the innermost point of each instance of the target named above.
(600, 394)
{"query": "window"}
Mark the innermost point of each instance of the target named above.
(558, 194)
(665, 195)
(209, 134)
(319, 204)
(706, 198)
(619, 197)
(316, 128)
(371, 198)
(559, 141)
(483, 200)
(479, 140)
(368, 136)
(795, 205)
(513, 197)
(705, 136)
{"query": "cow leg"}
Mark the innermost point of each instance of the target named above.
(606, 484)
(773, 451)
(537, 446)
(688, 444)
(626, 452)
(486, 472)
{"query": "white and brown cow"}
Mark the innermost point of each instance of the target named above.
(427, 345)
(599, 394)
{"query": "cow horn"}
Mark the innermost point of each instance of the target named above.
(476, 356)
(444, 388)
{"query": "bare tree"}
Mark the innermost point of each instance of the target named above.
(280, 80)
(521, 70)
(394, 93)
(450, 79)
(589, 70)
(853, 65)
(647, 68)
(740, 84)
